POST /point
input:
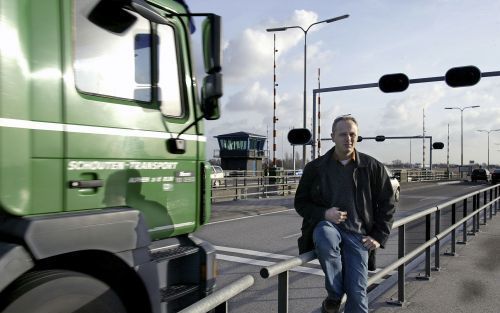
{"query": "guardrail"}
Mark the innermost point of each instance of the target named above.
(242, 187)
(218, 301)
(245, 184)
(281, 269)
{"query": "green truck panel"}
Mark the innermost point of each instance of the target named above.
(91, 185)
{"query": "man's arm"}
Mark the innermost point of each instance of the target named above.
(304, 202)
(384, 208)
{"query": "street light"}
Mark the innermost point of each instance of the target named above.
(488, 131)
(280, 29)
(462, 128)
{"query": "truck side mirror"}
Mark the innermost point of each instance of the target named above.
(212, 53)
(299, 136)
(211, 89)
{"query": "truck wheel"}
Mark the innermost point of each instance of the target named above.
(60, 291)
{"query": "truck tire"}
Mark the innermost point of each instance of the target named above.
(60, 291)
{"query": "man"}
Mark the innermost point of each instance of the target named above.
(346, 200)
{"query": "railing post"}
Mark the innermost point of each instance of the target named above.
(478, 201)
(236, 189)
(464, 225)
(453, 232)
(485, 209)
(475, 216)
(496, 203)
(437, 230)
(401, 268)
(283, 292)
(427, 275)
(491, 205)
(222, 308)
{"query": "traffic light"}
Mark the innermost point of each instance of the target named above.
(462, 76)
(299, 136)
(438, 145)
(393, 82)
(380, 138)
(360, 138)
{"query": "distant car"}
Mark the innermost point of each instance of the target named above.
(495, 176)
(480, 174)
(217, 175)
(395, 184)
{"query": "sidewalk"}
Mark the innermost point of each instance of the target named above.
(467, 282)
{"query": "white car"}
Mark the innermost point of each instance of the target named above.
(395, 184)
(217, 175)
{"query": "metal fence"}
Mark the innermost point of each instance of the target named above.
(238, 185)
(282, 269)
(243, 185)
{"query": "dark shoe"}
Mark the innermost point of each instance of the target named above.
(330, 305)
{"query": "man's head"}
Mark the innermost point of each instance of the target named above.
(344, 135)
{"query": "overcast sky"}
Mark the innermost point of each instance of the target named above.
(421, 38)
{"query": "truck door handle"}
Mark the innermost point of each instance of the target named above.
(96, 183)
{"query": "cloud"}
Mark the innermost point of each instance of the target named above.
(406, 113)
(253, 98)
(250, 55)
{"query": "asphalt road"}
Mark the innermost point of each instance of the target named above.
(250, 234)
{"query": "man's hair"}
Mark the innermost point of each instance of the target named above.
(343, 118)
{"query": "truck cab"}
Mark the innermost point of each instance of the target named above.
(103, 176)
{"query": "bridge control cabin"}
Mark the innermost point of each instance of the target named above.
(241, 151)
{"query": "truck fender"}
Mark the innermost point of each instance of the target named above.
(14, 261)
(115, 230)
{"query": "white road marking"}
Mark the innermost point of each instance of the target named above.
(259, 253)
(248, 261)
(293, 235)
(245, 217)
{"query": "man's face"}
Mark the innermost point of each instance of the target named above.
(345, 137)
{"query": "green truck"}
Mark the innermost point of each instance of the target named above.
(103, 177)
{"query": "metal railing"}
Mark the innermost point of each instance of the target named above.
(218, 301)
(242, 187)
(281, 269)
(238, 185)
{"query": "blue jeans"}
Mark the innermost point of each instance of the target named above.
(344, 260)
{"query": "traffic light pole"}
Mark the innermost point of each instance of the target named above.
(454, 78)
(377, 138)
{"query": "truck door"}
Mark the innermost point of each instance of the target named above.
(125, 94)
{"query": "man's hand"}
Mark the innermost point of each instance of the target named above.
(336, 216)
(370, 243)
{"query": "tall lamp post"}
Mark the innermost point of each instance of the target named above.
(488, 132)
(462, 128)
(279, 29)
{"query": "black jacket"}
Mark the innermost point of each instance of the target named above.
(374, 197)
